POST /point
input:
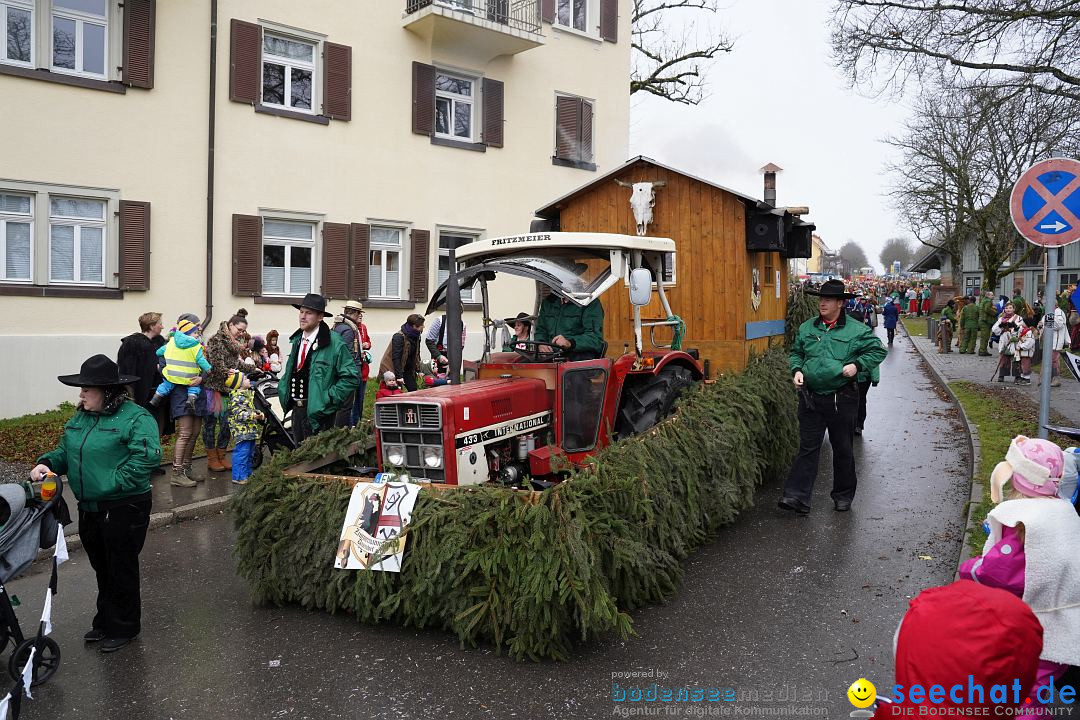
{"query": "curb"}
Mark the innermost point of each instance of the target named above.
(191, 511)
(974, 448)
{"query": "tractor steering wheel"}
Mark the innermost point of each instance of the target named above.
(534, 352)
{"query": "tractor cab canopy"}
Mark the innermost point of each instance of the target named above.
(577, 266)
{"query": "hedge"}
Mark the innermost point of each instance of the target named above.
(533, 574)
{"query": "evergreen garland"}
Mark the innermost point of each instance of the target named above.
(801, 307)
(532, 573)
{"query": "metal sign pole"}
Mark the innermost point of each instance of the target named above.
(1045, 209)
(1050, 308)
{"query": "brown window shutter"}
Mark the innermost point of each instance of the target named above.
(547, 11)
(247, 255)
(337, 82)
(335, 260)
(493, 113)
(423, 98)
(246, 60)
(139, 18)
(134, 245)
(567, 127)
(586, 145)
(609, 20)
(361, 248)
(421, 243)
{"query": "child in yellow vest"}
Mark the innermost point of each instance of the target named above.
(184, 361)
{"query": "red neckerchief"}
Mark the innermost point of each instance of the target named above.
(830, 325)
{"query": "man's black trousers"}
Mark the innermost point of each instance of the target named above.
(113, 539)
(836, 413)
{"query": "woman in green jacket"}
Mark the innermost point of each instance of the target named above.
(108, 451)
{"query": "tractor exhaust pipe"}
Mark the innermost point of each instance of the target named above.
(453, 322)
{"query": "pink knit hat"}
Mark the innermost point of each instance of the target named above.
(1033, 467)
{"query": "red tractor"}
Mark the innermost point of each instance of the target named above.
(522, 416)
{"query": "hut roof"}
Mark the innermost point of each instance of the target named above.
(552, 208)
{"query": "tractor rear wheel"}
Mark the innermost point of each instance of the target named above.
(646, 401)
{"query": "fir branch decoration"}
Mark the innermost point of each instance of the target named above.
(532, 574)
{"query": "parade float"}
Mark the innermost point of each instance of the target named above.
(536, 505)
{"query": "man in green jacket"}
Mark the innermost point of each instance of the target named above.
(320, 376)
(579, 331)
(969, 320)
(987, 317)
(828, 356)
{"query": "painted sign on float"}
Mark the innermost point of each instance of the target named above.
(374, 525)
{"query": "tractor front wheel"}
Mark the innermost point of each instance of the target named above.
(646, 401)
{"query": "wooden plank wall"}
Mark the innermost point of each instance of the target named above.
(713, 278)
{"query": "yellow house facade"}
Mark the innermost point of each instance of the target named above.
(206, 156)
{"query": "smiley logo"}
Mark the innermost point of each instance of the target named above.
(862, 693)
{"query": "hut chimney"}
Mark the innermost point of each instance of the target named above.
(770, 171)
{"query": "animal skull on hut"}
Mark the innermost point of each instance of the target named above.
(642, 200)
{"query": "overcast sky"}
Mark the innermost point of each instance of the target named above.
(778, 97)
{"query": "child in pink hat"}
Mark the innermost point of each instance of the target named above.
(1033, 551)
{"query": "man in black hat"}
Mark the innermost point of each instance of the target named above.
(829, 353)
(320, 375)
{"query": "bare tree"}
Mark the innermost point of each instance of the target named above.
(853, 256)
(1016, 44)
(673, 46)
(897, 248)
(960, 155)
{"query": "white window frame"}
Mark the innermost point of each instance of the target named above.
(81, 19)
(27, 5)
(286, 32)
(473, 101)
(5, 218)
(592, 19)
(384, 248)
(79, 223)
(288, 244)
(40, 249)
(467, 295)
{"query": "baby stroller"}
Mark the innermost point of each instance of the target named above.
(32, 525)
(274, 436)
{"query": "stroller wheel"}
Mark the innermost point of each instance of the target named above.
(46, 663)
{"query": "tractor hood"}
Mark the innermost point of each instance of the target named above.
(477, 404)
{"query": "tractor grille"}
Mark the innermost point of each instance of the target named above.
(408, 416)
(414, 426)
(414, 442)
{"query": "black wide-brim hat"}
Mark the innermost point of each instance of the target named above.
(521, 317)
(313, 301)
(98, 371)
(832, 289)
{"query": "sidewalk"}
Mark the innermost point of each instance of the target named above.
(172, 504)
(972, 368)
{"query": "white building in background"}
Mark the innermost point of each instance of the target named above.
(327, 146)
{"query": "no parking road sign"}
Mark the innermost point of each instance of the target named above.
(1045, 202)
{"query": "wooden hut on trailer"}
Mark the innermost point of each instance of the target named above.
(728, 280)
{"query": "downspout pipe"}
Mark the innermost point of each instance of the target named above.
(211, 122)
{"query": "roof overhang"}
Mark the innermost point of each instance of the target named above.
(552, 209)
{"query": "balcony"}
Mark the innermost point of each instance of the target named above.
(484, 29)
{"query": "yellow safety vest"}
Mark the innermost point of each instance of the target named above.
(180, 365)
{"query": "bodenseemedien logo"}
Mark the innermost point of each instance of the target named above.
(862, 695)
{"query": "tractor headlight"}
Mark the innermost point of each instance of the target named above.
(394, 455)
(433, 457)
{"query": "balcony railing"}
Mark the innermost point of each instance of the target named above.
(523, 15)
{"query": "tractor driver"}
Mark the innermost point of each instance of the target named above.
(579, 331)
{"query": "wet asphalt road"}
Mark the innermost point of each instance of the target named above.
(791, 605)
